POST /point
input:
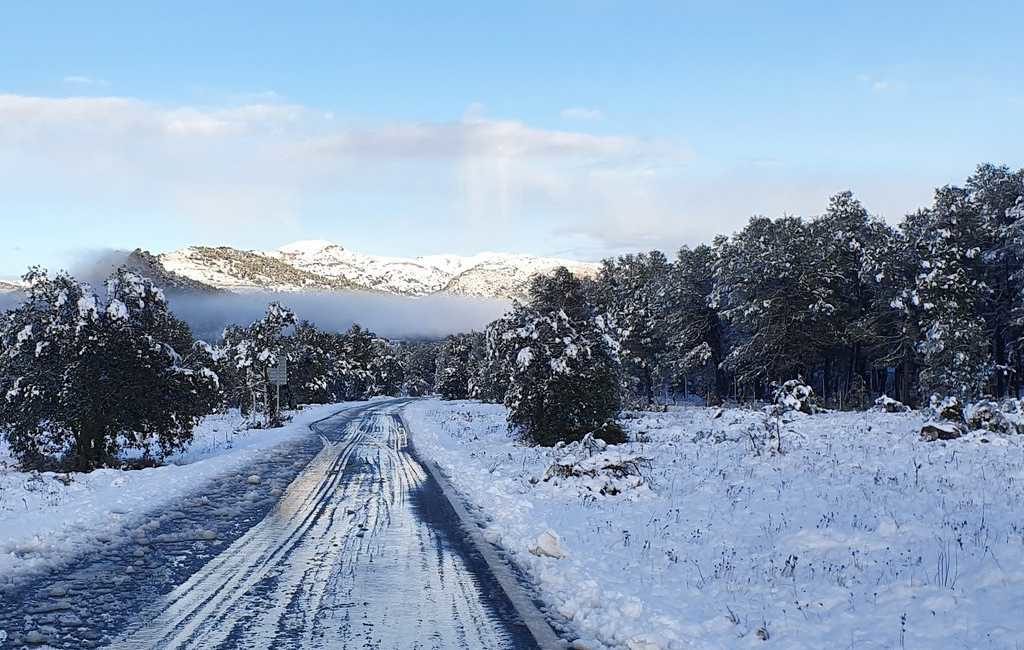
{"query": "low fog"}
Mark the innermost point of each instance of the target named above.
(395, 317)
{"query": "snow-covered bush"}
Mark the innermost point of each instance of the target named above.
(795, 395)
(988, 415)
(947, 421)
(83, 375)
(949, 408)
(887, 404)
(590, 465)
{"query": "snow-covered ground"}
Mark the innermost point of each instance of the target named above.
(858, 536)
(46, 518)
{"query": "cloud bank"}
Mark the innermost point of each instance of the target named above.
(491, 183)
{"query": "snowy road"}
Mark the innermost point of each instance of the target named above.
(361, 550)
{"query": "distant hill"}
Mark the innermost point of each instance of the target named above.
(325, 267)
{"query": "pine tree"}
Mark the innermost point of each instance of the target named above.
(996, 194)
(696, 335)
(364, 365)
(954, 350)
(771, 290)
(565, 379)
(490, 383)
(419, 360)
(312, 353)
(845, 245)
(454, 370)
(385, 371)
(631, 289)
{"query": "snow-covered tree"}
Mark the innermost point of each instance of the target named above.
(771, 290)
(696, 335)
(996, 194)
(493, 370)
(631, 289)
(312, 362)
(947, 290)
(84, 376)
(455, 371)
(419, 363)
(249, 353)
(845, 245)
(367, 365)
(565, 377)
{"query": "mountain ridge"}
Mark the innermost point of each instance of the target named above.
(323, 266)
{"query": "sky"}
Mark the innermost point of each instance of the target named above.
(576, 129)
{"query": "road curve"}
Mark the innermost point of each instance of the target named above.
(362, 551)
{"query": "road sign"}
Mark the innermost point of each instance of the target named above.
(278, 375)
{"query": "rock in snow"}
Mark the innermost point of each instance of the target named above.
(932, 431)
(549, 545)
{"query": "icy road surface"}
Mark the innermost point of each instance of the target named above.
(361, 551)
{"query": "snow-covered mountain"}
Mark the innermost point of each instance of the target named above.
(325, 266)
(8, 287)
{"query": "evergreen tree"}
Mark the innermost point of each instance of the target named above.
(366, 365)
(490, 383)
(845, 241)
(85, 376)
(947, 291)
(385, 372)
(771, 289)
(419, 360)
(312, 354)
(250, 352)
(564, 381)
(454, 370)
(631, 289)
(996, 194)
(696, 335)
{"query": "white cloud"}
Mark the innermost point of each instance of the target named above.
(581, 113)
(266, 160)
(492, 180)
(879, 85)
(85, 80)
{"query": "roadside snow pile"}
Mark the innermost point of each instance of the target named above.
(46, 518)
(859, 535)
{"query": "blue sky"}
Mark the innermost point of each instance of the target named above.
(578, 129)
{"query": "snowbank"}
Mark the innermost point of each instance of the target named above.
(46, 518)
(859, 535)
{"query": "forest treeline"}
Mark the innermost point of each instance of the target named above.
(855, 306)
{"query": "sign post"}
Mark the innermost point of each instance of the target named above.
(277, 376)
